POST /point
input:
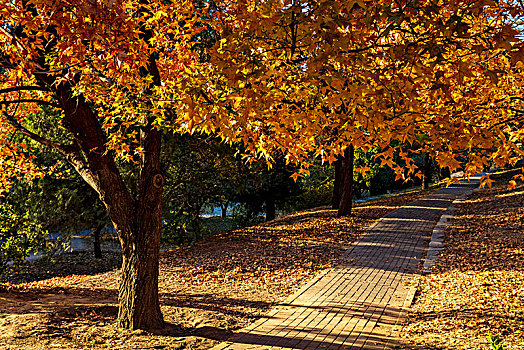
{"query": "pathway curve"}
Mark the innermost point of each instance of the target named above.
(361, 304)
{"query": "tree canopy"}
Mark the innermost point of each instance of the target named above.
(299, 77)
(443, 74)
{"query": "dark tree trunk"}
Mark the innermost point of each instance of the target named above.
(270, 208)
(196, 223)
(139, 306)
(96, 242)
(337, 185)
(224, 207)
(346, 201)
(427, 172)
(445, 173)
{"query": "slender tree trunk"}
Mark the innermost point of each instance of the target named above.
(427, 172)
(96, 242)
(270, 208)
(224, 207)
(337, 185)
(196, 223)
(445, 173)
(346, 201)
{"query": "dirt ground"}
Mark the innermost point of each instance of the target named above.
(207, 290)
(478, 284)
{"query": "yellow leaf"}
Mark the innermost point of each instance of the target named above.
(363, 170)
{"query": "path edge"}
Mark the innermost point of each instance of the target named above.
(435, 250)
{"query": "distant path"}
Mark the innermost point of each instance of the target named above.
(358, 305)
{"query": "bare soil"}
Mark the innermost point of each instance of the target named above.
(207, 290)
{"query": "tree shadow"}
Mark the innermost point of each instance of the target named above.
(209, 302)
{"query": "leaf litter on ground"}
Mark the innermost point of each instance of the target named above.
(207, 290)
(477, 285)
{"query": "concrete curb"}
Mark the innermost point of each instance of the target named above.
(436, 244)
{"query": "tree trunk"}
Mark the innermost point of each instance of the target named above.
(346, 201)
(224, 207)
(96, 242)
(196, 224)
(270, 208)
(337, 185)
(427, 172)
(445, 173)
(139, 306)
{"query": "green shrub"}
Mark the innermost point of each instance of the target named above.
(19, 236)
(314, 197)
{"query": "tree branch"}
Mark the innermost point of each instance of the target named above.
(64, 149)
(57, 70)
(22, 88)
(31, 100)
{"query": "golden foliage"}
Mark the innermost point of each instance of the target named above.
(298, 76)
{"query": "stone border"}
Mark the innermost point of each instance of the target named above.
(436, 244)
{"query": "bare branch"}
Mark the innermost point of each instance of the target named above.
(46, 142)
(22, 88)
(30, 100)
(56, 70)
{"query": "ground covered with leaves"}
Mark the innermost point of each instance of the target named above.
(207, 290)
(478, 285)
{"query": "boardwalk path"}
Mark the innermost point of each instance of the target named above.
(361, 304)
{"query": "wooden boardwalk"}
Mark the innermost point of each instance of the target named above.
(361, 304)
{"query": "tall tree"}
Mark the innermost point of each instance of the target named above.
(346, 199)
(283, 75)
(375, 72)
(35, 39)
(337, 185)
(427, 171)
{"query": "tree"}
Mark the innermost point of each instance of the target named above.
(284, 76)
(262, 189)
(71, 205)
(38, 58)
(370, 73)
(199, 171)
(19, 236)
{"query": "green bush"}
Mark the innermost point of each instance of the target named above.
(314, 197)
(19, 236)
